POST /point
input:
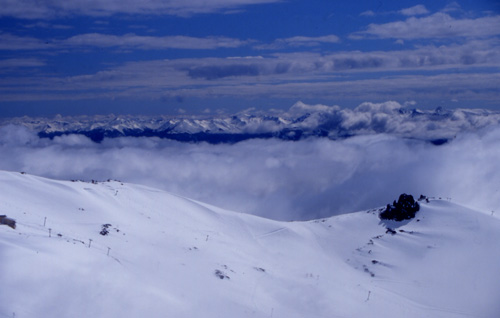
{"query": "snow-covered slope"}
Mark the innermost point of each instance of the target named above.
(167, 256)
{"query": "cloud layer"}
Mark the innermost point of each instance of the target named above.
(415, 10)
(33, 9)
(283, 180)
(437, 25)
(137, 53)
(340, 75)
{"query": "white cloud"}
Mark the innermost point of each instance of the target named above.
(131, 83)
(292, 75)
(368, 13)
(127, 41)
(45, 25)
(21, 62)
(298, 41)
(286, 180)
(33, 9)
(452, 7)
(133, 41)
(438, 25)
(415, 10)
(306, 39)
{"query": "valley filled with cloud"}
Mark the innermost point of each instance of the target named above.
(389, 152)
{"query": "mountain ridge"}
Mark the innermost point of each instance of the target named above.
(299, 122)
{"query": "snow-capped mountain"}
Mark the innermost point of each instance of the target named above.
(123, 250)
(300, 121)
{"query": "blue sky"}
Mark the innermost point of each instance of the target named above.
(206, 57)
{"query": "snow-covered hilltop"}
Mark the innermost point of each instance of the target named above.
(300, 121)
(123, 250)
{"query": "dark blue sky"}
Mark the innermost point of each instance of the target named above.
(169, 57)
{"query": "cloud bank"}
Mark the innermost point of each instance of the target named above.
(276, 179)
(33, 9)
(415, 10)
(339, 75)
(133, 41)
(435, 57)
(437, 25)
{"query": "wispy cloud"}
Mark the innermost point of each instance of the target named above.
(415, 10)
(142, 42)
(21, 62)
(368, 13)
(308, 41)
(412, 11)
(461, 60)
(293, 75)
(474, 53)
(33, 9)
(438, 25)
(128, 41)
(299, 41)
(133, 41)
(452, 7)
(45, 25)
(428, 89)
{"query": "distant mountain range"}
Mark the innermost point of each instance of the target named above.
(299, 122)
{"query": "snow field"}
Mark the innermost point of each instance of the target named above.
(174, 257)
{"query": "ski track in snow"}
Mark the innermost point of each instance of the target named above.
(271, 233)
